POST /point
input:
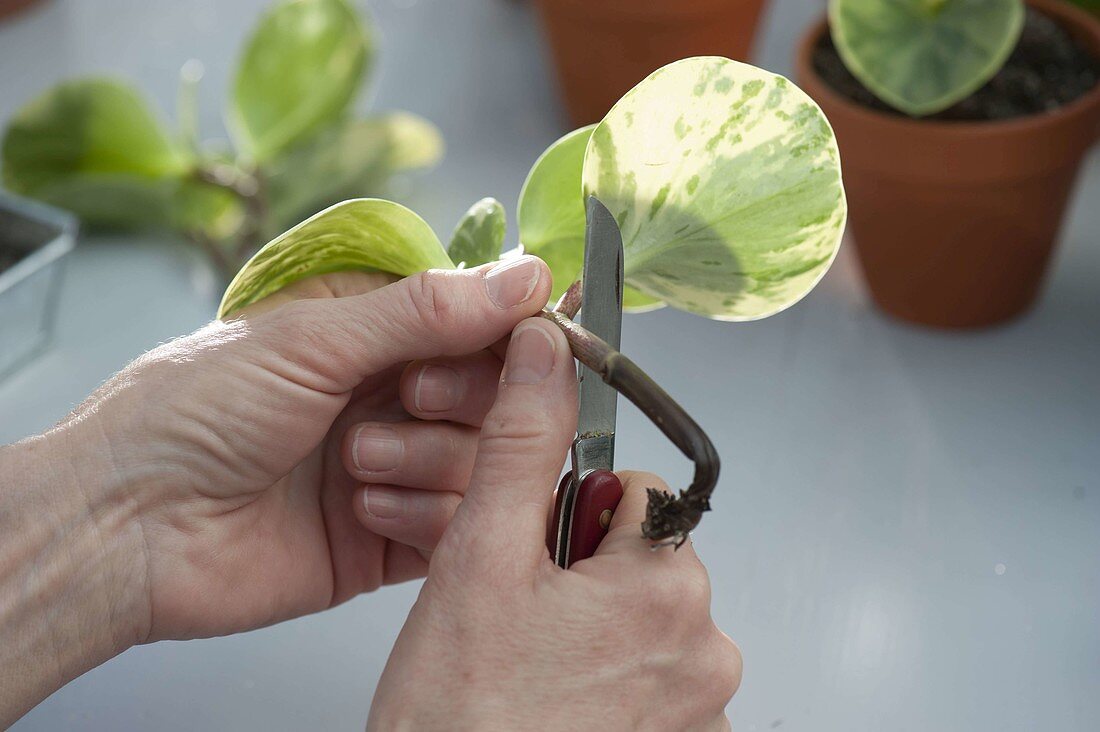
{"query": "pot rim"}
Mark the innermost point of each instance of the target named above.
(619, 12)
(1068, 15)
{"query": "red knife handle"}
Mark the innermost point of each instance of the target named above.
(597, 498)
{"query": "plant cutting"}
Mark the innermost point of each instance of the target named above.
(962, 124)
(602, 48)
(724, 181)
(95, 146)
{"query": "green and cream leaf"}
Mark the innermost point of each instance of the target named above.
(551, 215)
(366, 234)
(725, 181)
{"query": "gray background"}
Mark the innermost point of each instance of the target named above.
(905, 536)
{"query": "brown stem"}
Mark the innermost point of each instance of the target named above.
(217, 255)
(250, 189)
(570, 301)
(668, 519)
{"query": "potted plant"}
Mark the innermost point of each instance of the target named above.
(962, 126)
(724, 180)
(11, 7)
(95, 147)
(602, 48)
(34, 241)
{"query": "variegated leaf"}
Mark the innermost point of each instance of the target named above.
(725, 181)
(551, 216)
(366, 234)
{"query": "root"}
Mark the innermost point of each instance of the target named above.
(669, 519)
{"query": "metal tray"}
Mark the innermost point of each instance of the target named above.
(30, 288)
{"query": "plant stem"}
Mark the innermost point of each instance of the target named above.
(570, 301)
(216, 254)
(250, 190)
(668, 519)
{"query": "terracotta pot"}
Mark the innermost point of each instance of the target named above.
(602, 48)
(10, 7)
(954, 222)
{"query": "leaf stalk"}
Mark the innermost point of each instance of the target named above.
(250, 189)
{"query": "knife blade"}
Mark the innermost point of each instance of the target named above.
(590, 492)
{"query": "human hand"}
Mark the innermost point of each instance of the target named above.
(224, 449)
(501, 638)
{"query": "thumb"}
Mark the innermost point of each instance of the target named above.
(344, 340)
(500, 527)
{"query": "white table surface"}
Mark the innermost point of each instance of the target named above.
(907, 533)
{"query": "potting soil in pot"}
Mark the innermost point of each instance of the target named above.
(9, 256)
(11, 231)
(1047, 70)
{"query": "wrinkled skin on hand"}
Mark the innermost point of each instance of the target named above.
(231, 443)
(346, 433)
(502, 638)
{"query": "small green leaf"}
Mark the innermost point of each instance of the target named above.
(922, 56)
(725, 181)
(366, 234)
(350, 159)
(551, 215)
(94, 146)
(479, 236)
(300, 70)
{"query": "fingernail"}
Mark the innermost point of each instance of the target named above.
(383, 503)
(510, 283)
(437, 388)
(377, 449)
(530, 356)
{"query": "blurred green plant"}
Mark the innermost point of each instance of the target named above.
(1093, 5)
(922, 56)
(95, 147)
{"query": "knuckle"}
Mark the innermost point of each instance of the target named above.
(432, 301)
(666, 600)
(726, 668)
(683, 591)
(623, 595)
